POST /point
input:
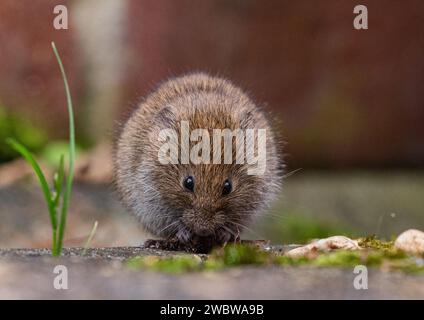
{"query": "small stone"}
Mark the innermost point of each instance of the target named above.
(327, 244)
(411, 241)
(304, 251)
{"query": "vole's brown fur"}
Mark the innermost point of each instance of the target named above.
(155, 193)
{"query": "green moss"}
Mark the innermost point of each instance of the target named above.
(376, 258)
(338, 259)
(391, 260)
(243, 255)
(229, 256)
(289, 261)
(174, 264)
(410, 265)
(372, 242)
(236, 255)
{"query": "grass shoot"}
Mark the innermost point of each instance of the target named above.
(58, 196)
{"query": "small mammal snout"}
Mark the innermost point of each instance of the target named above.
(201, 197)
(203, 222)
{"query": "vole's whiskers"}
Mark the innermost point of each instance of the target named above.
(229, 230)
(288, 174)
(245, 227)
(169, 225)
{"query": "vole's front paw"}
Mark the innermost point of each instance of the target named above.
(162, 244)
(151, 244)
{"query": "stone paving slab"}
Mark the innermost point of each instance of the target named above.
(102, 274)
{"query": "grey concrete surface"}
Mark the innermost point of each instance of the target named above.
(102, 274)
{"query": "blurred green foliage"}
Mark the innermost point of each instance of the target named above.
(316, 204)
(236, 255)
(17, 126)
(52, 152)
(299, 228)
(172, 264)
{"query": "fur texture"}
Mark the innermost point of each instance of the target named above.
(155, 192)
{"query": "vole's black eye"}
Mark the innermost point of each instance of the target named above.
(227, 187)
(189, 183)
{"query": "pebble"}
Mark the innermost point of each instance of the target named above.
(411, 241)
(327, 244)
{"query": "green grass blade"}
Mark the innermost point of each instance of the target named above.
(69, 179)
(20, 148)
(58, 181)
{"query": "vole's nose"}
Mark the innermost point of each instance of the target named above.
(201, 222)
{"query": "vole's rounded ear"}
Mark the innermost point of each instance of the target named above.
(247, 120)
(165, 117)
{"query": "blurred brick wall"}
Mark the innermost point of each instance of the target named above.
(30, 79)
(345, 97)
